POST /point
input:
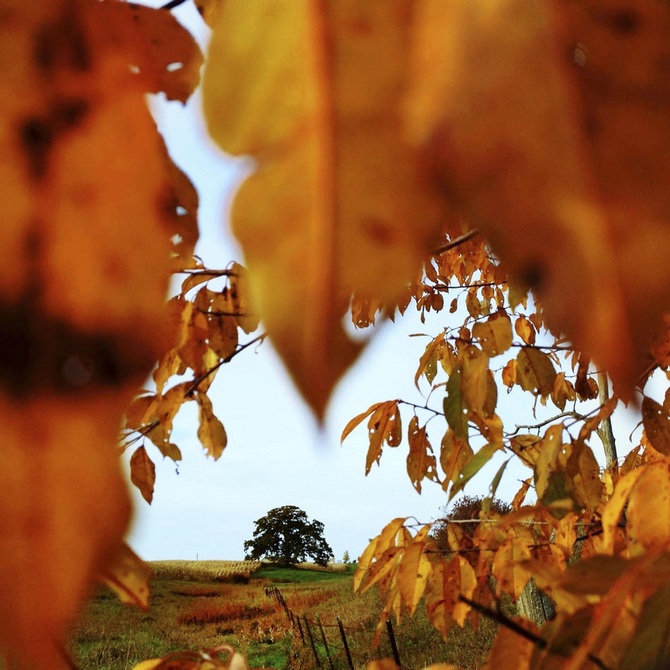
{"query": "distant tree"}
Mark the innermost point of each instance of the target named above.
(464, 509)
(345, 558)
(286, 536)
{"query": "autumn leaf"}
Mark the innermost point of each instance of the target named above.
(648, 511)
(448, 581)
(78, 141)
(455, 407)
(494, 334)
(414, 570)
(143, 473)
(656, 421)
(474, 378)
(535, 372)
(540, 158)
(128, 576)
(421, 461)
(320, 219)
(211, 433)
(510, 575)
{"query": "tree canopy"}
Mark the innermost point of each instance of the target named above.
(286, 536)
(502, 164)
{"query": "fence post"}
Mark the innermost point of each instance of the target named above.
(394, 646)
(325, 643)
(311, 641)
(346, 644)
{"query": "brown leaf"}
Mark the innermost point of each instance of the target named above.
(553, 146)
(319, 219)
(421, 461)
(535, 372)
(143, 473)
(656, 421)
(163, 55)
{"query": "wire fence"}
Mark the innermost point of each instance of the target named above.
(328, 642)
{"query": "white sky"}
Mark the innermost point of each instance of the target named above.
(276, 454)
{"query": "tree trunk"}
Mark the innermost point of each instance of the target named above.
(535, 605)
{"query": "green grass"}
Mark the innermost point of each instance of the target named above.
(196, 614)
(280, 575)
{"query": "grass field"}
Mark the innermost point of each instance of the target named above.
(195, 609)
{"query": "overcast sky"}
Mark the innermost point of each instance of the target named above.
(276, 454)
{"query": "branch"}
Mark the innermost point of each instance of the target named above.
(461, 239)
(535, 426)
(200, 378)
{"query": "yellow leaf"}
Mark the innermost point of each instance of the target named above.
(648, 512)
(474, 378)
(151, 664)
(582, 466)
(320, 218)
(222, 335)
(414, 570)
(547, 462)
(525, 330)
(143, 473)
(656, 421)
(384, 426)
(511, 576)
(446, 583)
(535, 372)
(211, 433)
(611, 515)
(454, 454)
(527, 448)
(128, 576)
(494, 334)
(511, 651)
(357, 420)
(429, 358)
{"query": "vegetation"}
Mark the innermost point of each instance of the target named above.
(193, 612)
(502, 164)
(285, 535)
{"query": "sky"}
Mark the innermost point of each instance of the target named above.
(276, 453)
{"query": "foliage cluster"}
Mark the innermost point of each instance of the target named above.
(508, 156)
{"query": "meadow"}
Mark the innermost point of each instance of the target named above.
(200, 605)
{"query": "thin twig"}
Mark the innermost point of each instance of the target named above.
(535, 426)
(172, 4)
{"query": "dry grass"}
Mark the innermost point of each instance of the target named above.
(224, 571)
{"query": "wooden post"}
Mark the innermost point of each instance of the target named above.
(311, 641)
(346, 644)
(394, 646)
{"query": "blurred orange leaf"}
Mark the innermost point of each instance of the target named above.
(319, 219)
